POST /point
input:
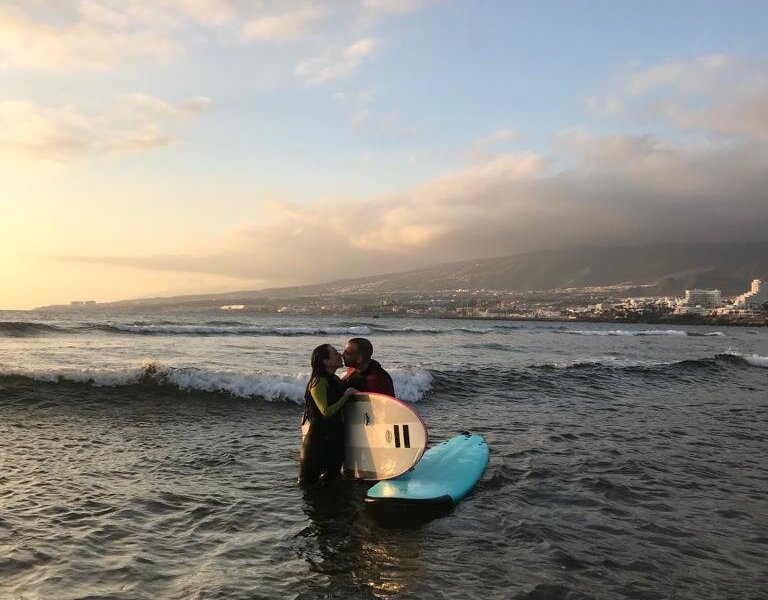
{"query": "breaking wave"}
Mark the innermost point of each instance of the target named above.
(602, 361)
(232, 329)
(410, 385)
(24, 329)
(639, 332)
(619, 363)
(240, 328)
(754, 360)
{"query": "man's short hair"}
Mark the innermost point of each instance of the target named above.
(364, 347)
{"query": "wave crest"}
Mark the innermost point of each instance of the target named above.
(410, 385)
(610, 362)
(231, 329)
(26, 329)
(641, 332)
(270, 387)
(754, 360)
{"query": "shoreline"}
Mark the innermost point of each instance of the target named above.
(711, 321)
(677, 320)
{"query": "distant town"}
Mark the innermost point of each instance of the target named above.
(609, 303)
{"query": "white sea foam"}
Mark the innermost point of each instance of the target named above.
(267, 386)
(243, 385)
(410, 385)
(756, 360)
(96, 377)
(753, 359)
(241, 330)
(639, 332)
(604, 361)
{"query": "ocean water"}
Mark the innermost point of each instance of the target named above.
(155, 456)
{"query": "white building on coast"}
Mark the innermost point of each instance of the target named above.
(749, 302)
(754, 298)
(699, 302)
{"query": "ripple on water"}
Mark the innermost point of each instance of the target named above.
(604, 482)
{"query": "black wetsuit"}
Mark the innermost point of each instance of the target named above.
(373, 379)
(322, 450)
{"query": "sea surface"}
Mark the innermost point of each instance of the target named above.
(155, 456)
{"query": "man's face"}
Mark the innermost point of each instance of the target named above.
(350, 355)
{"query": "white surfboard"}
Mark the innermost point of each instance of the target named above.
(384, 436)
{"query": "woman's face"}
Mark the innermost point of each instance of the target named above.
(333, 361)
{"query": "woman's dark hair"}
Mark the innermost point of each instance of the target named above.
(319, 355)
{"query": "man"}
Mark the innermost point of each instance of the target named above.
(363, 373)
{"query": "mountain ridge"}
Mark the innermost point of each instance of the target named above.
(664, 270)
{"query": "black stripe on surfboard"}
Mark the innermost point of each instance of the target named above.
(397, 436)
(406, 437)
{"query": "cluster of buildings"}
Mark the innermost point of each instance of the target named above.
(697, 303)
(592, 304)
(711, 302)
(572, 304)
(751, 306)
(588, 304)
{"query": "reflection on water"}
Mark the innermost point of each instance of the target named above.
(362, 551)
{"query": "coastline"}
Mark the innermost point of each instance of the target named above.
(666, 320)
(366, 312)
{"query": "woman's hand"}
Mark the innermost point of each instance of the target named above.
(348, 392)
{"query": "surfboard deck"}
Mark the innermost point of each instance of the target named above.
(444, 475)
(384, 436)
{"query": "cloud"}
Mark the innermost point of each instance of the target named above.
(97, 40)
(490, 145)
(586, 190)
(366, 117)
(621, 190)
(101, 35)
(291, 25)
(133, 123)
(163, 14)
(383, 8)
(700, 75)
(503, 134)
(205, 12)
(144, 106)
(717, 95)
(336, 63)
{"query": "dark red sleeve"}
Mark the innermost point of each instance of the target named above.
(380, 381)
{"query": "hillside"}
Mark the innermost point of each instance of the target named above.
(656, 270)
(668, 269)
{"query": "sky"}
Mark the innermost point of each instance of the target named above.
(198, 146)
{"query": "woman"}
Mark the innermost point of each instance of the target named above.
(322, 451)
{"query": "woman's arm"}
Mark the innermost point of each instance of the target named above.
(319, 393)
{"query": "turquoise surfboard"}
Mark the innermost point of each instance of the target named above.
(444, 475)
